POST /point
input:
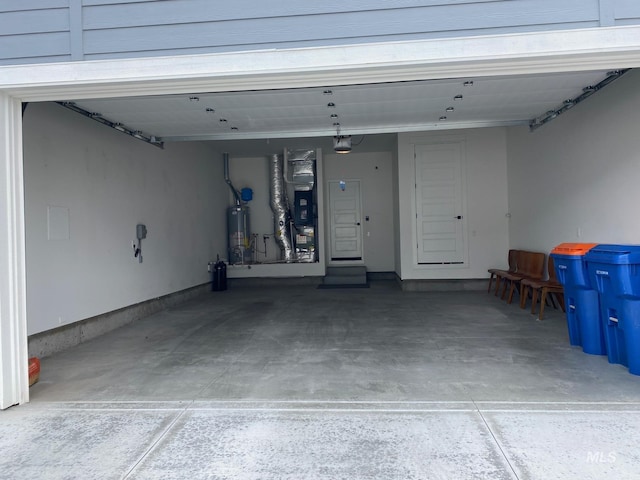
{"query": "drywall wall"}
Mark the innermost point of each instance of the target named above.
(486, 223)
(576, 179)
(86, 188)
(375, 172)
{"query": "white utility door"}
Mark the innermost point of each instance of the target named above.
(439, 204)
(345, 220)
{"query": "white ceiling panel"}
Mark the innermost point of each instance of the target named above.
(379, 108)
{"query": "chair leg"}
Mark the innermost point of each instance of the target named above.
(511, 291)
(534, 300)
(490, 282)
(545, 291)
(560, 298)
(523, 297)
(504, 288)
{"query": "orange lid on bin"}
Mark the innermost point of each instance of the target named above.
(575, 249)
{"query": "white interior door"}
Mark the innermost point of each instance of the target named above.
(439, 204)
(345, 218)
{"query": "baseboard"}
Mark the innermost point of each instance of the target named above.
(274, 281)
(453, 285)
(382, 276)
(58, 339)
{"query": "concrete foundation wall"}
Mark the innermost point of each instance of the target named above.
(58, 339)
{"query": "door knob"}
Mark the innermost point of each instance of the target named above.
(358, 223)
(459, 217)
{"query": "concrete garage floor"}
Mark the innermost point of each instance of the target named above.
(299, 383)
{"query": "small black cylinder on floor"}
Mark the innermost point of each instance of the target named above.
(219, 276)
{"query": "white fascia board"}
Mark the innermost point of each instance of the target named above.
(513, 54)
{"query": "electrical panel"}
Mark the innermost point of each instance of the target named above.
(303, 208)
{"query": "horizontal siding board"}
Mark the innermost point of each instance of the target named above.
(627, 22)
(283, 6)
(347, 27)
(34, 21)
(360, 40)
(35, 45)
(115, 2)
(23, 5)
(627, 9)
(34, 60)
(198, 11)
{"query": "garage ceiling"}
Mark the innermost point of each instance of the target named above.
(358, 109)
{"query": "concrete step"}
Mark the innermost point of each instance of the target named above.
(347, 271)
(345, 276)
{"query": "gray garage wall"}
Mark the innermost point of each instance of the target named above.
(35, 31)
(86, 188)
(576, 179)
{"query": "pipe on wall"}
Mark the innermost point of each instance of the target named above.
(225, 158)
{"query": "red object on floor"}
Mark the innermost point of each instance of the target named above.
(34, 370)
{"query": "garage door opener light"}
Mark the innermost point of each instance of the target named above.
(341, 143)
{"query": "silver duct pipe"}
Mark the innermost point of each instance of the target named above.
(225, 158)
(280, 206)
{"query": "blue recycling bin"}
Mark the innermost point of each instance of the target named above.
(614, 270)
(580, 298)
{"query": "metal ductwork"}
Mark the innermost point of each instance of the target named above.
(280, 207)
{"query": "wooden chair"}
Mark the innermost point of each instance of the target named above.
(547, 289)
(530, 265)
(498, 273)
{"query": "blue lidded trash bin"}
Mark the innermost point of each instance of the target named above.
(614, 270)
(580, 298)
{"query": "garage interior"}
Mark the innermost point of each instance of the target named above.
(275, 378)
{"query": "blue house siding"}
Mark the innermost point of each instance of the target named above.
(207, 28)
(33, 31)
(627, 12)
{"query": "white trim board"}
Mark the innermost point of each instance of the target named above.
(525, 53)
(14, 383)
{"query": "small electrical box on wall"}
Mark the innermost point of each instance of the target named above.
(141, 231)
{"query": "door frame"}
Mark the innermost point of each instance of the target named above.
(460, 141)
(14, 381)
(328, 223)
